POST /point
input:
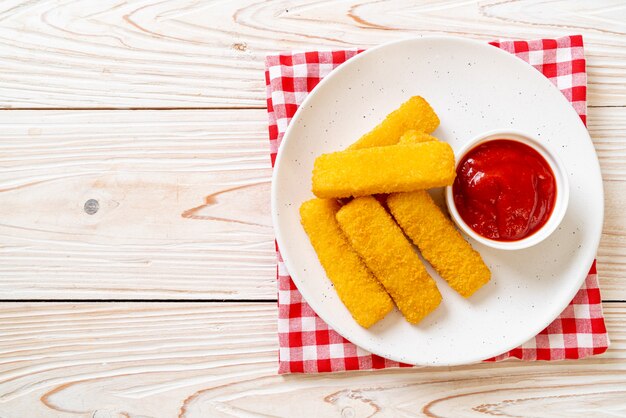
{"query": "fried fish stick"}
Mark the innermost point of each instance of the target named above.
(415, 137)
(439, 241)
(415, 113)
(358, 289)
(390, 256)
(394, 168)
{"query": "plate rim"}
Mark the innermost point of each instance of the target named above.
(595, 241)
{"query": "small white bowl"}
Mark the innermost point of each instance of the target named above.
(562, 190)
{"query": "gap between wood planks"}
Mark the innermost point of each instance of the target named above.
(168, 301)
(145, 300)
(145, 108)
(183, 108)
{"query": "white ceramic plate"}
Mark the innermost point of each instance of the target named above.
(474, 88)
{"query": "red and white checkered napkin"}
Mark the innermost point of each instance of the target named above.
(308, 344)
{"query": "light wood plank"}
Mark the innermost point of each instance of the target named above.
(186, 53)
(198, 360)
(183, 205)
(607, 127)
(155, 235)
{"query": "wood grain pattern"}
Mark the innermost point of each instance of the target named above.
(183, 196)
(186, 53)
(183, 211)
(184, 204)
(219, 360)
(607, 127)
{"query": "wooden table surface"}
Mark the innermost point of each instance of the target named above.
(162, 303)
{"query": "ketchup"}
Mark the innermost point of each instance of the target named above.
(504, 190)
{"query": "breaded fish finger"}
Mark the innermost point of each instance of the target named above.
(439, 241)
(390, 256)
(394, 168)
(415, 113)
(358, 289)
(415, 137)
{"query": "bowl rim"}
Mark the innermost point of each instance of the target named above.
(561, 179)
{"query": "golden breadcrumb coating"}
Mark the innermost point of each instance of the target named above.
(394, 168)
(358, 289)
(415, 114)
(439, 241)
(390, 256)
(414, 137)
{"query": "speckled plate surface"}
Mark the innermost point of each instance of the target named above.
(474, 88)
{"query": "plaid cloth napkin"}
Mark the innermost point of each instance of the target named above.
(307, 344)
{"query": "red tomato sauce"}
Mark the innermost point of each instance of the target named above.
(504, 190)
